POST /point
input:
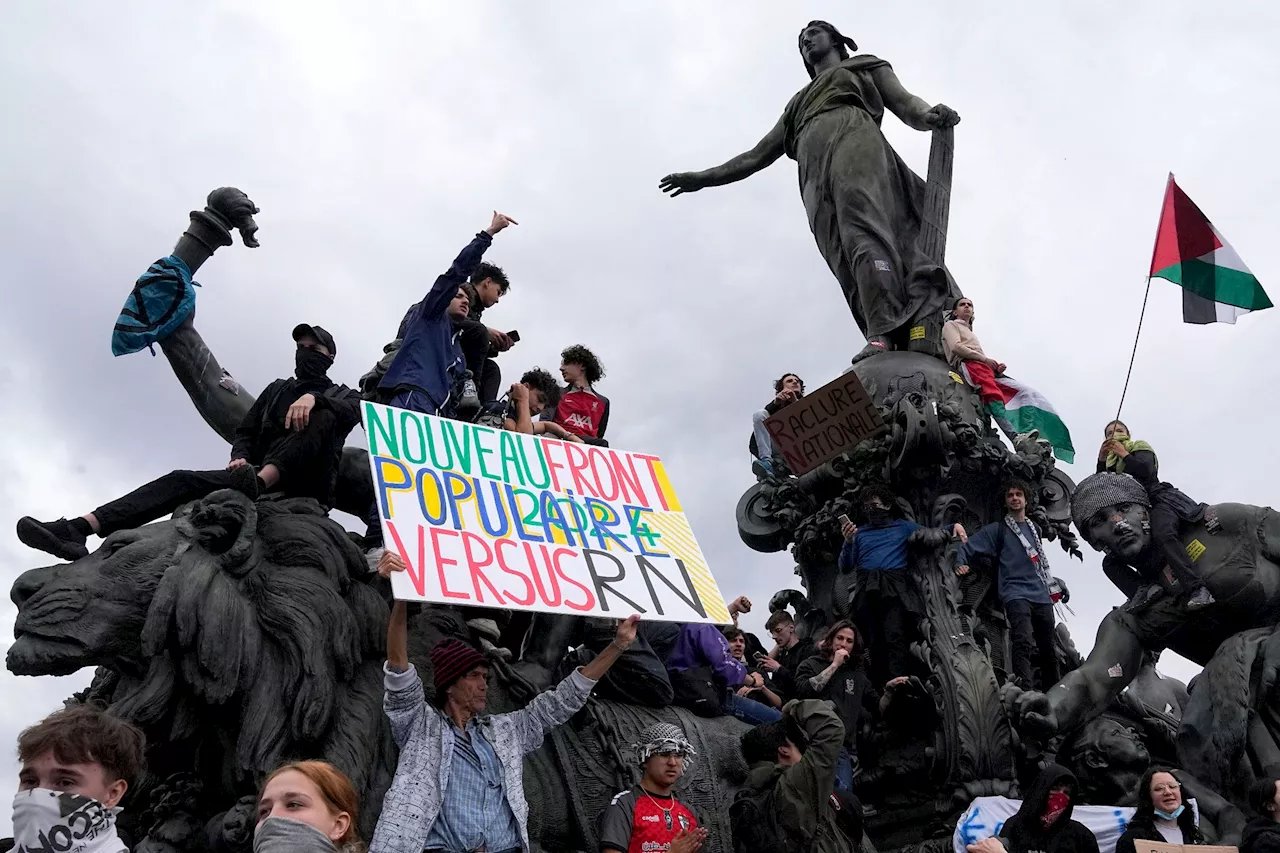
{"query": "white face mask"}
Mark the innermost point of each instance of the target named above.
(45, 820)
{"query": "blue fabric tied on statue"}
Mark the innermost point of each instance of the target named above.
(161, 300)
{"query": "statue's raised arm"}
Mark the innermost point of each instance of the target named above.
(865, 207)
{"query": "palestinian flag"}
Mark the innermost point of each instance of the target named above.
(1022, 406)
(1028, 409)
(1216, 285)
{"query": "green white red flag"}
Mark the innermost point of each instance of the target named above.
(1217, 287)
(1028, 409)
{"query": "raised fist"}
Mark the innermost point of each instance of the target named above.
(236, 208)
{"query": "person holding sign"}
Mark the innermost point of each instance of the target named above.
(1026, 588)
(1161, 814)
(459, 784)
(1043, 823)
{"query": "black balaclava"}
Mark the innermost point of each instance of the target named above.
(311, 365)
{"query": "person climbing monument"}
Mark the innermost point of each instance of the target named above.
(582, 411)
(705, 676)
(289, 442)
(459, 780)
(786, 390)
(648, 816)
(481, 344)
(757, 684)
(883, 597)
(427, 369)
(1024, 585)
(1170, 510)
(963, 351)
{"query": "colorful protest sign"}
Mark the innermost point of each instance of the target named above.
(822, 425)
(484, 517)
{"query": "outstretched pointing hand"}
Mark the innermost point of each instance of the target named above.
(500, 221)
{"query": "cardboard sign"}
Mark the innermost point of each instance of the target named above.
(483, 517)
(1141, 846)
(822, 425)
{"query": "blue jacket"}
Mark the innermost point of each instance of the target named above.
(1018, 579)
(429, 358)
(878, 548)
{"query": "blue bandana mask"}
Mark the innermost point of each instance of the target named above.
(1173, 815)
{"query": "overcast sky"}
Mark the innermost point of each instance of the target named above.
(377, 142)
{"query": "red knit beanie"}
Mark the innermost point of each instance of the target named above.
(451, 659)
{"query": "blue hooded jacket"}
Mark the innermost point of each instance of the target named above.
(429, 357)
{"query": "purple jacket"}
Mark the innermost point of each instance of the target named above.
(704, 645)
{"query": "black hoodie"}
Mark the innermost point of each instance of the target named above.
(1261, 835)
(1024, 833)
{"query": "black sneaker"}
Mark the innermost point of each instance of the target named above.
(52, 537)
(1200, 598)
(244, 480)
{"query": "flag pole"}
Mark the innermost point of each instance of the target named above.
(1145, 296)
(1134, 354)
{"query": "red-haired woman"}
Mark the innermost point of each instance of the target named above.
(307, 806)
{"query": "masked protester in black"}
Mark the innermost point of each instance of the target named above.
(290, 442)
(1043, 824)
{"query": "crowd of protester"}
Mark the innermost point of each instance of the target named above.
(458, 785)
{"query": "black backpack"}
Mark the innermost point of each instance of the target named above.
(755, 822)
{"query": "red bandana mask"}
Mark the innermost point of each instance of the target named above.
(1057, 804)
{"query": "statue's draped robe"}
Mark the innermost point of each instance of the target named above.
(864, 204)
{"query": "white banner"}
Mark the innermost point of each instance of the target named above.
(987, 815)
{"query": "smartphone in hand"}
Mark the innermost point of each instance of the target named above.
(514, 335)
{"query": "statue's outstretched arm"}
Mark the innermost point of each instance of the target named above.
(764, 154)
(219, 398)
(914, 111)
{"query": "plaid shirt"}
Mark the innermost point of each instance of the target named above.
(475, 812)
(426, 772)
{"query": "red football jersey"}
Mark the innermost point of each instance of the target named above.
(581, 412)
(639, 822)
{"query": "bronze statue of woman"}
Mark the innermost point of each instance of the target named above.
(864, 204)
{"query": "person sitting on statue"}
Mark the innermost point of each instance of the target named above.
(307, 807)
(1026, 588)
(737, 639)
(582, 410)
(791, 799)
(1170, 509)
(527, 398)
(786, 391)
(459, 782)
(480, 344)
(1043, 823)
(647, 816)
(705, 676)
(1262, 834)
(884, 596)
(289, 442)
(428, 369)
(1161, 814)
(836, 673)
(963, 352)
(77, 764)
